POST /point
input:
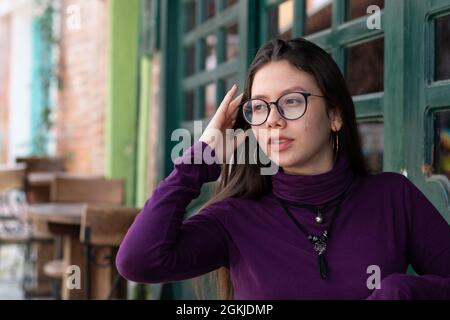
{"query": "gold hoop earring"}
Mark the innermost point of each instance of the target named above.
(336, 145)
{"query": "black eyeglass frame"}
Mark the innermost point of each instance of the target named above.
(268, 104)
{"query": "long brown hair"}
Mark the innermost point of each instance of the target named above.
(245, 180)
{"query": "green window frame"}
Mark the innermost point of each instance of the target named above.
(431, 97)
(201, 77)
(195, 37)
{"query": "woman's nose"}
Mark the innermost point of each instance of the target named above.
(274, 118)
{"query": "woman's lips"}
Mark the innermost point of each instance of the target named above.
(280, 145)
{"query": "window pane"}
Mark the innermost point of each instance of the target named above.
(358, 8)
(211, 58)
(189, 15)
(188, 106)
(189, 57)
(230, 81)
(441, 157)
(318, 15)
(442, 66)
(229, 3)
(372, 140)
(210, 100)
(232, 42)
(280, 20)
(210, 6)
(365, 67)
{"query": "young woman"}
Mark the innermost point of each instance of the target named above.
(321, 227)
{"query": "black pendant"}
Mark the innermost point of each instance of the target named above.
(320, 246)
(323, 269)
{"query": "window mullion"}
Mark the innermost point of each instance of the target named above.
(298, 29)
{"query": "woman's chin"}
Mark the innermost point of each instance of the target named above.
(282, 161)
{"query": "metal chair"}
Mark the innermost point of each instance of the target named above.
(12, 202)
(15, 229)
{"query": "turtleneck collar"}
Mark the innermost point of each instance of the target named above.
(315, 189)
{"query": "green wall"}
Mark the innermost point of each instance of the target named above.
(144, 113)
(122, 93)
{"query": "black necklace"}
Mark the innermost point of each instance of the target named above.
(319, 241)
(319, 210)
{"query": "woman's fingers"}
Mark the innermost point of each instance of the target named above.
(228, 98)
(233, 107)
(237, 100)
(225, 116)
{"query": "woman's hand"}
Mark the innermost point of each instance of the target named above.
(215, 134)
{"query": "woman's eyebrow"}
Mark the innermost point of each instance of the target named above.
(296, 88)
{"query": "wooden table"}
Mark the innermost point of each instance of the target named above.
(44, 179)
(40, 178)
(64, 219)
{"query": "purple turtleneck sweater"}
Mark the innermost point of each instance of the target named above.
(385, 222)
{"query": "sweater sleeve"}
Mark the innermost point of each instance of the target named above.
(162, 247)
(428, 250)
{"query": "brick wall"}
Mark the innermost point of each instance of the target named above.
(4, 86)
(80, 117)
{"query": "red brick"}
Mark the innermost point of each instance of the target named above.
(80, 128)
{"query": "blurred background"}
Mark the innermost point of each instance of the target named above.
(91, 90)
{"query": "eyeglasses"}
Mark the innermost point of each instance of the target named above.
(291, 106)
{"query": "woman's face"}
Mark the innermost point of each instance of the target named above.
(307, 148)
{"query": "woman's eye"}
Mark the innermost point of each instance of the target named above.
(292, 101)
(259, 107)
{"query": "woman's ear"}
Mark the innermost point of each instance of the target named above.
(336, 120)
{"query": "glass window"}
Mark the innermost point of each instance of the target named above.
(190, 16)
(189, 65)
(372, 140)
(189, 106)
(280, 20)
(210, 8)
(229, 3)
(442, 64)
(232, 46)
(441, 157)
(211, 56)
(230, 81)
(203, 56)
(210, 100)
(358, 8)
(318, 15)
(365, 67)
